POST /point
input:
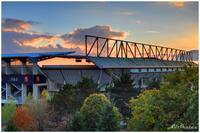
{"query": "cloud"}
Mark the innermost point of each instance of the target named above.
(78, 35)
(138, 22)
(17, 39)
(126, 13)
(178, 4)
(14, 42)
(16, 25)
(152, 31)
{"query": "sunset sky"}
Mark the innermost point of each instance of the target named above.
(61, 26)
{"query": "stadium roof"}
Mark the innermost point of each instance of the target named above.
(36, 56)
(103, 62)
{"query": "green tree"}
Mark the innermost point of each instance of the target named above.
(97, 114)
(145, 111)
(87, 85)
(177, 90)
(8, 111)
(11, 127)
(66, 99)
(154, 85)
(176, 103)
(121, 93)
(71, 97)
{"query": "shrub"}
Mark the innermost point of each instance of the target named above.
(38, 110)
(11, 127)
(8, 111)
(77, 122)
(97, 114)
(45, 95)
(154, 85)
(23, 120)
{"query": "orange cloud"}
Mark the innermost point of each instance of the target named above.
(37, 42)
(72, 40)
(178, 4)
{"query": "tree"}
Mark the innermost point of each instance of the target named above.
(11, 127)
(121, 93)
(84, 88)
(177, 89)
(8, 111)
(176, 103)
(145, 111)
(71, 97)
(97, 114)
(23, 120)
(189, 116)
(154, 85)
(38, 109)
(66, 99)
(87, 84)
(77, 122)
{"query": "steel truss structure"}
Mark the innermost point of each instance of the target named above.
(107, 47)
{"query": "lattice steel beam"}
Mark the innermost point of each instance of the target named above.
(127, 49)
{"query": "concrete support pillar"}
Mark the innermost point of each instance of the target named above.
(35, 86)
(142, 83)
(8, 86)
(35, 91)
(23, 86)
(8, 91)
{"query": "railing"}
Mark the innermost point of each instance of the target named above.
(107, 47)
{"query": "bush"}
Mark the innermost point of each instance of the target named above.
(97, 114)
(38, 109)
(77, 122)
(23, 120)
(154, 85)
(45, 95)
(11, 127)
(8, 111)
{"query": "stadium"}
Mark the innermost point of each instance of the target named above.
(105, 59)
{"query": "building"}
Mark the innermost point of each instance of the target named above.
(27, 72)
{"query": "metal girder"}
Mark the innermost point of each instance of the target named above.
(127, 49)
